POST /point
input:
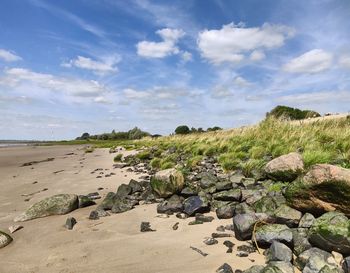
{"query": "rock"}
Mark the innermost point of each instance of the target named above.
(187, 192)
(229, 245)
(107, 202)
(330, 232)
(225, 268)
(304, 257)
(55, 205)
(221, 235)
(300, 240)
(135, 186)
(146, 227)
(346, 265)
(236, 178)
(70, 222)
(195, 204)
(285, 168)
(172, 205)
(85, 201)
(220, 229)
(224, 185)
(208, 180)
(5, 239)
(254, 269)
(15, 228)
(225, 212)
(247, 182)
(176, 226)
(243, 208)
(324, 188)
(242, 254)
(317, 264)
(246, 248)
(243, 226)
(210, 241)
(337, 257)
(122, 205)
(287, 215)
(279, 252)
(266, 204)
(230, 195)
(102, 213)
(167, 182)
(195, 222)
(203, 218)
(124, 190)
(94, 215)
(278, 267)
(266, 234)
(181, 215)
(307, 220)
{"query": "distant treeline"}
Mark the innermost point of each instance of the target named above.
(291, 113)
(132, 134)
(184, 129)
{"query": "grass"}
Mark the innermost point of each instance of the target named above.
(118, 158)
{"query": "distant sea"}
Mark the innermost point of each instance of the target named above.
(2, 145)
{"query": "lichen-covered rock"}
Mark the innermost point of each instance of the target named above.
(305, 256)
(285, 168)
(54, 205)
(85, 201)
(124, 190)
(243, 208)
(324, 188)
(167, 182)
(5, 239)
(135, 186)
(266, 204)
(230, 195)
(300, 240)
(107, 202)
(224, 185)
(307, 220)
(266, 234)
(287, 215)
(278, 267)
(254, 269)
(121, 205)
(225, 268)
(331, 232)
(208, 180)
(226, 211)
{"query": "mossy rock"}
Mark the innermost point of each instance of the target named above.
(266, 204)
(331, 232)
(167, 182)
(54, 205)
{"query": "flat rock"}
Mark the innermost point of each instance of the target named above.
(266, 234)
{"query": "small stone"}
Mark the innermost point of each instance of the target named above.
(307, 220)
(5, 239)
(337, 257)
(225, 268)
(246, 248)
(210, 241)
(14, 228)
(70, 222)
(220, 229)
(242, 254)
(202, 218)
(221, 235)
(146, 227)
(176, 226)
(94, 215)
(195, 222)
(228, 244)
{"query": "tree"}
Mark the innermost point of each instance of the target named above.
(182, 130)
(281, 111)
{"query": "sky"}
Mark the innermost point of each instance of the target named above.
(68, 67)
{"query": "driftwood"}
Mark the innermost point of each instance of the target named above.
(199, 251)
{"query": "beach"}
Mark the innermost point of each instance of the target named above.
(110, 244)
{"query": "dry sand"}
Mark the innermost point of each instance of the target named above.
(111, 244)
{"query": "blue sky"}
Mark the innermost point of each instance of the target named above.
(67, 67)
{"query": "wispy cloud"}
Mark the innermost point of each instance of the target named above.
(8, 56)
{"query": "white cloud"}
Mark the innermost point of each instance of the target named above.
(102, 100)
(313, 61)
(232, 42)
(241, 82)
(72, 86)
(186, 56)
(161, 49)
(7, 56)
(106, 66)
(130, 93)
(316, 97)
(257, 55)
(344, 61)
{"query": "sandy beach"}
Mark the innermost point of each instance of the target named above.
(110, 244)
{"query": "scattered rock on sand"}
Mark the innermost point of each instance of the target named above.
(5, 239)
(172, 205)
(146, 227)
(285, 168)
(203, 218)
(94, 215)
(225, 268)
(210, 241)
(70, 223)
(176, 226)
(54, 205)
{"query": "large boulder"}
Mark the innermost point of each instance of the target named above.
(266, 234)
(230, 195)
(167, 182)
(285, 168)
(243, 226)
(172, 205)
(287, 215)
(195, 204)
(331, 232)
(324, 188)
(54, 205)
(279, 252)
(5, 239)
(225, 211)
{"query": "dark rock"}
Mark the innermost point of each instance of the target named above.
(220, 229)
(254, 269)
(243, 208)
(122, 205)
(266, 204)
(94, 195)
(229, 245)
(306, 221)
(266, 234)
(224, 185)
(230, 195)
(195, 222)
(221, 235)
(229, 227)
(181, 215)
(85, 201)
(176, 226)
(225, 212)
(135, 186)
(208, 180)
(172, 205)
(247, 182)
(330, 232)
(279, 252)
(246, 248)
(146, 227)
(94, 215)
(346, 265)
(70, 222)
(210, 241)
(5, 239)
(242, 254)
(300, 240)
(108, 201)
(203, 218)
(243, 226)
(195, 204)
(225, 268)
(124, 190)
(287, 215)
(278, 267)
(187, 192)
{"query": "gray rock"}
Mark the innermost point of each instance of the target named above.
(300, 240)
(230, 195)
(146, 227)
(285, 168)
(224, 185)
(195, 204)
(278, 267)
(172, 205)
(55, 205)
(330, 232)
(236, 178)
(266, 204)
(346, 265)
(287, 215)
(304, 257)
(208, 180)
(243, 208)
(225, 212)
(70, 223)
(254, 269)
(307, 220)
(167, 182)
(225, 268)
(187, 192)
(85, 201)
(122, 205)
(266, 234)
(94, 215)
(210, 241)
(246, 248)
(317, 264)
(124, 190)
(203, 218)
(5, 239)
(279, 252)
(247, 182)
(135, 186)
(243, 226)
(107, 202)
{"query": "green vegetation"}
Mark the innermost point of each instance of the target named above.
(118, 158)
(132, 134)
(291, 113)
(182, 130)
(89, 150)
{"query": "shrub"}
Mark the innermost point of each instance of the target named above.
(144, 155)
(291, 113)
(182, 130)
(118, 158)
